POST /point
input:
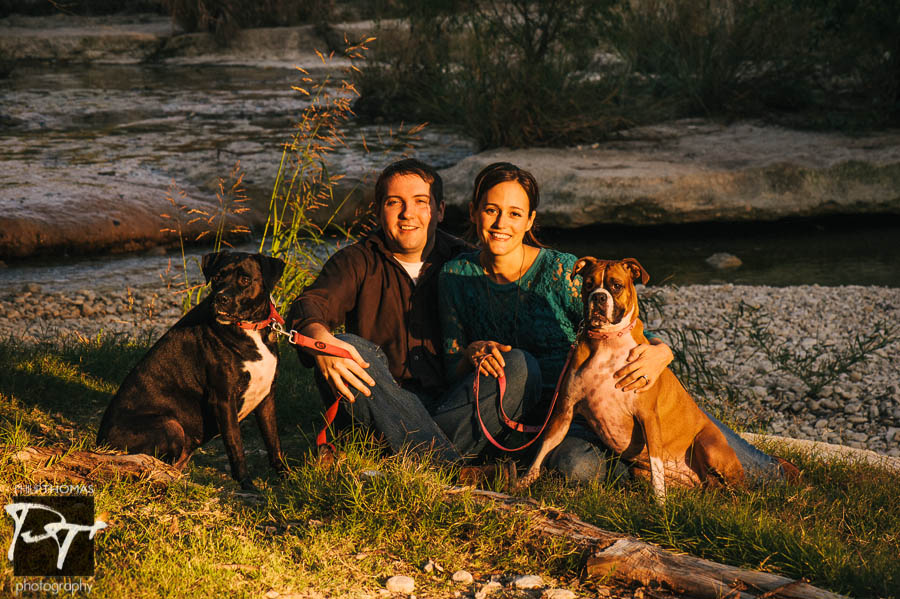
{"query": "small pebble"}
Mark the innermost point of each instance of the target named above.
(558, 594)
(462, 577)
(400, 584)
(530, 581)
(491, 587)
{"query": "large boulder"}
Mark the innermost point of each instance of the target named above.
(694, 171)
(49, 211)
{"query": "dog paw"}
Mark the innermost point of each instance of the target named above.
(526, 480)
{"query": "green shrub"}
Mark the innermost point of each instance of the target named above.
(537, 72)
(708, 57)
(510, 73)
(859, 47)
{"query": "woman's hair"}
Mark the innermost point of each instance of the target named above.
(499, 172)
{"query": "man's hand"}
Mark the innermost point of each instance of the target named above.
(646, 363)
(340, 373)
(493, 365)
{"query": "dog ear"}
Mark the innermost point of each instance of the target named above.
(211, 263)
(637, 271)
(579, 266)
(271, 269)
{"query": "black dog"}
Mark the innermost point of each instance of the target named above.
(207, 373)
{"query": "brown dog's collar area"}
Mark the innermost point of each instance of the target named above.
(600, 335)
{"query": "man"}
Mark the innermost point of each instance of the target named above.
(383, 289)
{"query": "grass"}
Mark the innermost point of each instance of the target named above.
(340, 531)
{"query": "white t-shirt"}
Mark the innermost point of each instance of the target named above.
(413, 268)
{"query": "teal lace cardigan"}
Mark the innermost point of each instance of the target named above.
(540, 313)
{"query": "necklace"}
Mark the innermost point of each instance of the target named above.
(496, 306)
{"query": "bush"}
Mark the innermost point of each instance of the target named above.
(537, 72)
(511, 73)
(860, 55)
(710, 57)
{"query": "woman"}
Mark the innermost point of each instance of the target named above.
(514, 293)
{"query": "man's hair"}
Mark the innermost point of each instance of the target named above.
(409, 166)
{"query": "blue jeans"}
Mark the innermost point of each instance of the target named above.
(450, 428)
(582, 456)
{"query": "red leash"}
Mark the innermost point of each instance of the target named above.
(294, 338)
(517, 426)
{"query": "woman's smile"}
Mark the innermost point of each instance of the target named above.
(503, 218)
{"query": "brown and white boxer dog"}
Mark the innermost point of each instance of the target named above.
(207, 373)
(660, 431)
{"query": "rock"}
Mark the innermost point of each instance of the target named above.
(759, 391)
(724, 261)
(33, 288)
(557, 594)
(487, 589)
(698, 170)
(462, 577)
(530, 581)
(852, 407)
(400, 584)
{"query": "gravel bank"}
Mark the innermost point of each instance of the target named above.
(861, 408)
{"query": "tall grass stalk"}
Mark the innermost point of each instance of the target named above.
(308, 205)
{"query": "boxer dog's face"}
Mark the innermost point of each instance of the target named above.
(240, 284)
(608, 290)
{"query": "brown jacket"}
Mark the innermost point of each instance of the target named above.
(364, 287)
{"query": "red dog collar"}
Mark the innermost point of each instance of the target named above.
(274, 316)
(598, 335)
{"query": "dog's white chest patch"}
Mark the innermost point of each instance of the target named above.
(262, 374)
(610, 411)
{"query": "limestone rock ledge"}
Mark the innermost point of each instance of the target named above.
(697, 170)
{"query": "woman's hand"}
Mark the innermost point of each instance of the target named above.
(492, 352)
(646, 363)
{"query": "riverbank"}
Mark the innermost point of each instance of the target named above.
(142, 111)
(860, 409)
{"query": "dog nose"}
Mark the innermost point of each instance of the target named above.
(219, 301)
(599, 299)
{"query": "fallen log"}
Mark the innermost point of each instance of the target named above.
(629, 560)
(60, 465)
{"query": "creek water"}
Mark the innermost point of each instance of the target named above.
(828, 252)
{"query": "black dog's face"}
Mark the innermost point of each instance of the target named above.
(240, 284)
